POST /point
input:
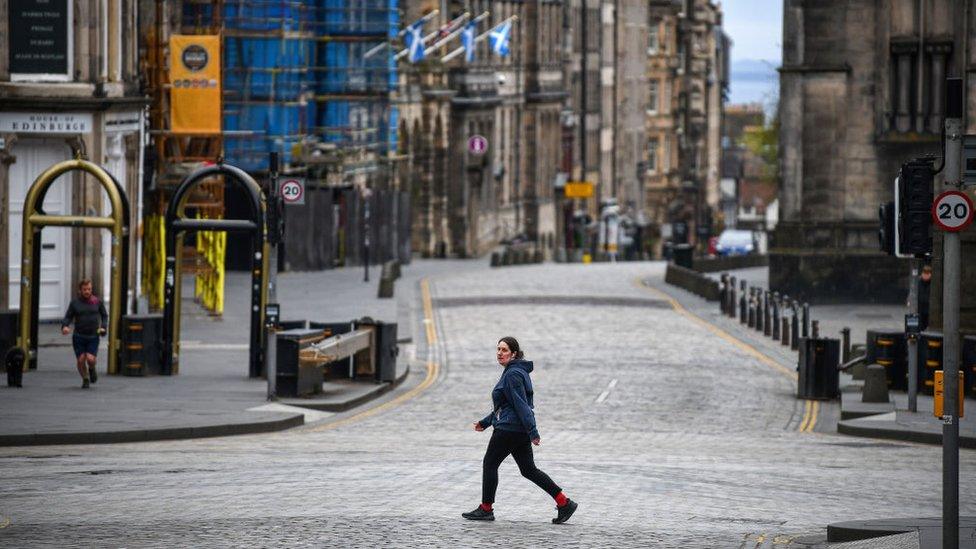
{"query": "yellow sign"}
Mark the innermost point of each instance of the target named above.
(940, 394)
(579, 189)
(194, 76)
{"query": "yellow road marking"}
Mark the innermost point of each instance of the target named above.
(432, 370)
(4, 522)
(811, 408)
(814, 410)
(806, 415)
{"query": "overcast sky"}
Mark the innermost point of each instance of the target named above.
(756, 28)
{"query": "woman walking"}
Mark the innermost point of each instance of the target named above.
(88, 314)
(514, 433)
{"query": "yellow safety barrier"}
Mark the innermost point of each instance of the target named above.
(209, 283)
(154, 259)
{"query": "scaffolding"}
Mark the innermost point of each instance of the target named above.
(297, 75)
(173, 156)
(312, 80)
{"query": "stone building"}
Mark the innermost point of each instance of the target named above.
(687, 78)
(465, 203)
(603, 118)
(69, 83)
(861, 92)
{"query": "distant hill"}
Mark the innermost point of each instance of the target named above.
(753, 69)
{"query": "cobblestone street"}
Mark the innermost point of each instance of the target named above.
(667, 435)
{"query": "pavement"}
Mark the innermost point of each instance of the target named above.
(887, 421)
(212, 395)
(670, 431)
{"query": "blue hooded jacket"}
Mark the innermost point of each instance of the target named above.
(512, 399)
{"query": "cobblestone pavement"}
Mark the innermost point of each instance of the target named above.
(667, 434)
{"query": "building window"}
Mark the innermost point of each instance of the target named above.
(917, 105)
(653, 97)
(653, 40)
(653, 145)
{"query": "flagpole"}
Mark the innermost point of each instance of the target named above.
(456, 21)
(451, 36)
(477, 39)
(427, 17)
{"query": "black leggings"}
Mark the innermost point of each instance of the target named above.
(502, 444)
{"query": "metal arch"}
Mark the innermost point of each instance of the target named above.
(176, 225)
(35, 220)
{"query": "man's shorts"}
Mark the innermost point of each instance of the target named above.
(84, 344)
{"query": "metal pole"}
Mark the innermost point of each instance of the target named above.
(366, 196)
(913, 340)
(274, 236)
(950, 324)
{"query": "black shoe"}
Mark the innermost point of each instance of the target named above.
(92, 374)
(479, 514)
(565, 512)
(84, 383)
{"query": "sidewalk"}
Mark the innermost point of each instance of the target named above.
(212, 395)
(850, 416)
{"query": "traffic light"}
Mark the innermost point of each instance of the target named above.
(886, 230)
(915, 196)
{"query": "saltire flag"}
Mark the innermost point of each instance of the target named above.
(467, 40)
(415, 41)
(499, 38)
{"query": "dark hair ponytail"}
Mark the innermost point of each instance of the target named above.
(513, 345)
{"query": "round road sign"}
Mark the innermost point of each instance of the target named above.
(477, 144)
(952, 211)
(292, 191)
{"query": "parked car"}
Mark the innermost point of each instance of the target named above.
(735, 242)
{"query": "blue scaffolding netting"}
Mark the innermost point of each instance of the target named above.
(296, 72)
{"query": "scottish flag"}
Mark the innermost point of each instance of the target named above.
(415, 41)
(467, 40)
(499, 38)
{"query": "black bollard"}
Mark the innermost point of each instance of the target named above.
(767, 315)
(815, 329)
(845, 336)
(795, 328)
(723, 292)
(732, 301)
(760, 304)
(775, 319)
(786, 330)
(806, 320)
(743, 312)
(751, 319)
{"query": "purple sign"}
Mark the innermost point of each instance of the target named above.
(477, 144)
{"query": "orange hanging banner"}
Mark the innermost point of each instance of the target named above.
(194, 76)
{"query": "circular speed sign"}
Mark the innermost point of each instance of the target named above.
(292, 191)
(952, 211)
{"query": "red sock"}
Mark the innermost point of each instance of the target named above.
(561, 499)
(486, 507)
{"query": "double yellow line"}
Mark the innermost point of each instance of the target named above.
(810, 411)
(432, 370)
(810, 408)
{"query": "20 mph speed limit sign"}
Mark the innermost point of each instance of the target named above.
(952, 211)
(293, 191)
